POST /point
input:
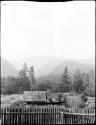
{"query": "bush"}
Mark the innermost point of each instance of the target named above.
(84, 98)
(67, 105)
(82, 105)
(50, 100)
(83, 101)
(60, 97)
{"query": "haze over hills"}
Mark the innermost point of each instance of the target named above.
(72, 66)
(47, 68)
(42, 65)
(56, 74)
(7, 68)
(54, 65)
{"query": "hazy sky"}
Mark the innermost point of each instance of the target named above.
(30, 29)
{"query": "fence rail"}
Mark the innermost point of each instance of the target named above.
(46, 115)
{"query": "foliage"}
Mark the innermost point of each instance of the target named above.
(78, 84)
(66, 85)
(90, 91)
(44, 86)
(60, 97)
(83, 101)
(82, 105)
(82, 83)
(23, 72)
(7, 86)
(22, 84)
(50, 100)
(65, 101)
(56, 88)
(22, 81)
(84, 98)
(17, 85)
(86, 80)
(25, 67)
(31, 77)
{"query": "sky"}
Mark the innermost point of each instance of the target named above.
(62, 29)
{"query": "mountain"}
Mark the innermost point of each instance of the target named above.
(7, 68)
(72, 66)
(55, 75)
(90, 61)
(42, 65)
(46, 65)
(55, 79)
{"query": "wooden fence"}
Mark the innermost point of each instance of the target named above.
(46, 115)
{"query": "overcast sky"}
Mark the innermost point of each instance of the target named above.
(30, 29)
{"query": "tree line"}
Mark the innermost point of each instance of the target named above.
(26, 81)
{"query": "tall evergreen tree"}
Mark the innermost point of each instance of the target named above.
(23, 72)
(86, 80)
(25, 67)
(66, 85)
(78, 84)
(31, 77)
(22, 82)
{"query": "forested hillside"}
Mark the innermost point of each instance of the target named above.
(7, 69)
(77, 81)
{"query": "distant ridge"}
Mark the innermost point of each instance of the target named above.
(55, 75)
(7, 69)
(72, 66)
(52, 65)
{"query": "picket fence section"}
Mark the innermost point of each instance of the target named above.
(46, 115)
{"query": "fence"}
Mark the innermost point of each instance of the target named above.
(46, 115)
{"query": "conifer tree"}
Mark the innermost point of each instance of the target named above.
(78, 84)
(31, 77)
(86, 80)
(66, 85)
(23, 72)
(25, 68)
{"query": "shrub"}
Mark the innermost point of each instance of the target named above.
(83, 101)
(82, 105)
(60, 97)
(84, 98)
(65, 101)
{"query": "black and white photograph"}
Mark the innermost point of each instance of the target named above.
(47, 62)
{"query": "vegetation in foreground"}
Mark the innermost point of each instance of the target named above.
(78, 83)
(25, 81)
